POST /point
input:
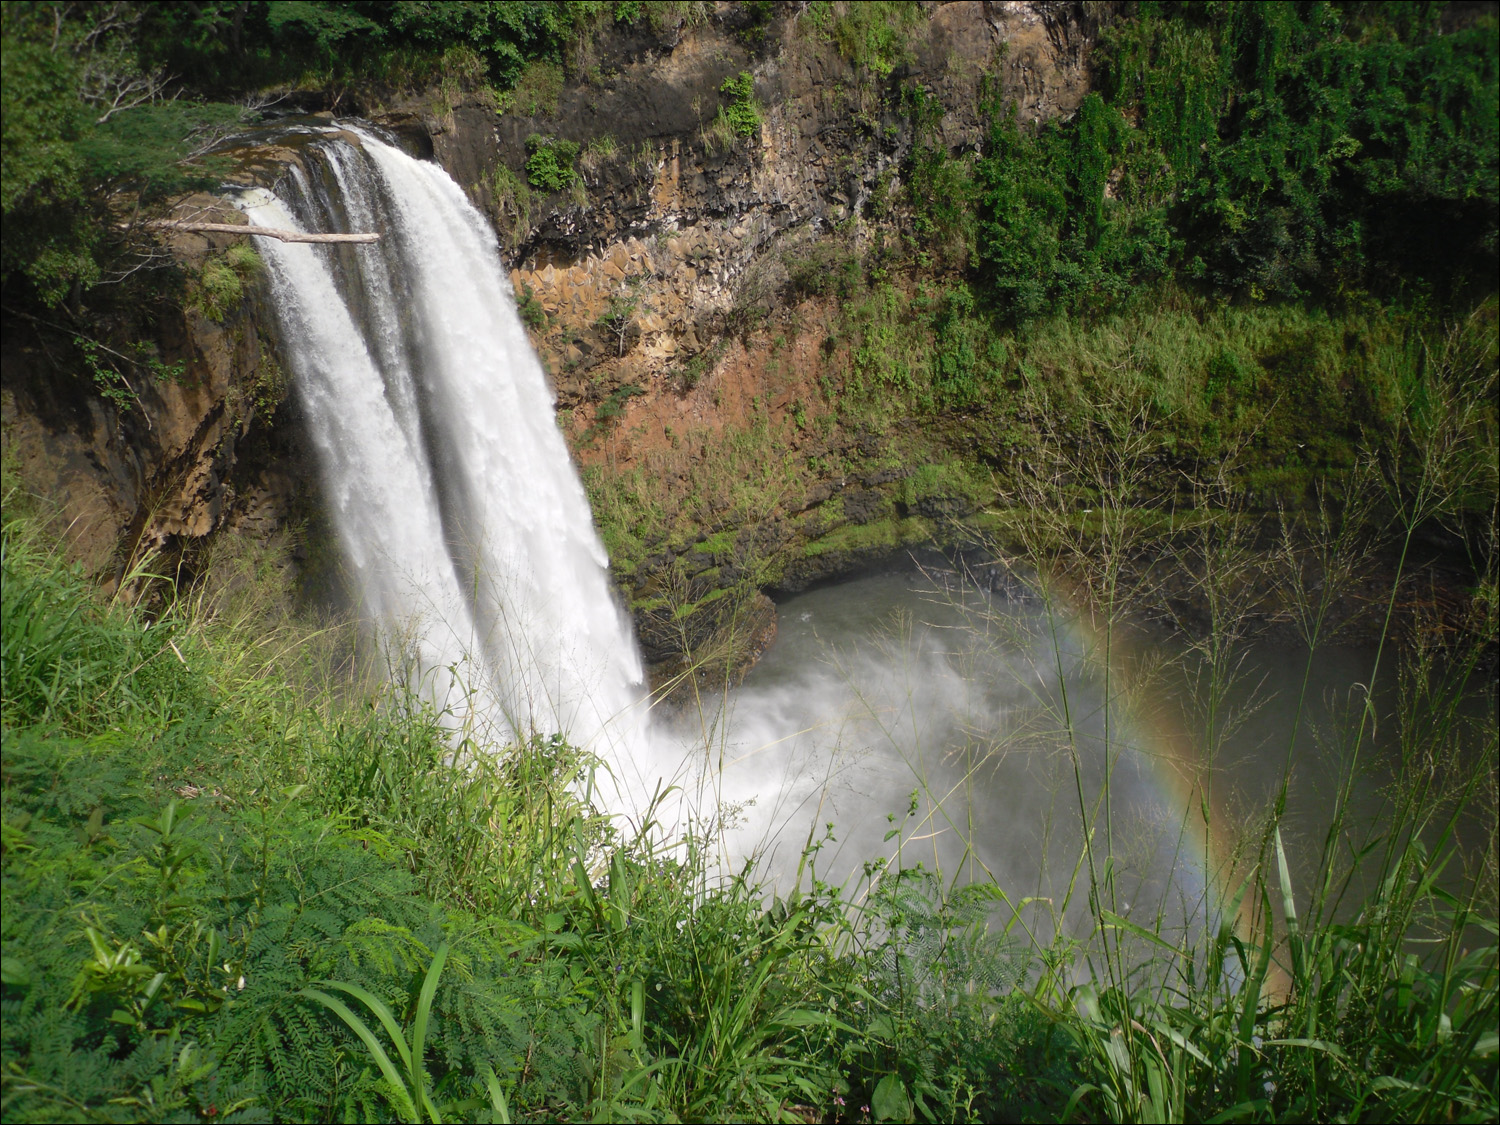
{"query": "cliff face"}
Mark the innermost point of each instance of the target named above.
(155, 447)
(676, 291)
(686, 220)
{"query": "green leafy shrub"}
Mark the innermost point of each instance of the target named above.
(550, 166)
(154, 149)
(613, 406)
(941, 198)
(886, 354)
(875, 35)
(174, 986)
(741, 114)
(530, 309)
(48, 237)
(1046, 238)
(968, 357)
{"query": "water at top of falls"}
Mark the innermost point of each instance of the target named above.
(466, 530)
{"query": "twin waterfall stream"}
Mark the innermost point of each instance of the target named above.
(464, 527)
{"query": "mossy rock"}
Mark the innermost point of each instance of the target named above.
(851, 546)
(946, 490)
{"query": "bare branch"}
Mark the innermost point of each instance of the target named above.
(267, 232)
(110, 75)
(258, 100)
(123, 94)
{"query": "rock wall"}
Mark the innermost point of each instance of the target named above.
(672, 215)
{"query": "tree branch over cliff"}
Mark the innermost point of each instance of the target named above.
(268, 232)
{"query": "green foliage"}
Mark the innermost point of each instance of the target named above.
(741, 114)
(150, 150)
(243, 259)
(323, 29)
(174, 984)
(941, 194)
(409, 1093)
(825, 268)
(968, 356)
(1045, 235)
(1309, 147)
(508, 35)
(1340, 1042)
(945, 1046)
(1171, 70)
(874, 35)
(111, 384)
(65, 160)
(1282, 385)
(1258, 150)
(879, 361)
(42, 118)
(550, 167)
(47, 235)
(692, 372)
(106, 369)
(616, 320)
(613, 406)
(530, 309)
(1292, 392)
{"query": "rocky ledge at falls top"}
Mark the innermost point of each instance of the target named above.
(661, 295)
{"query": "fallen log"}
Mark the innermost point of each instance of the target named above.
(268, 232)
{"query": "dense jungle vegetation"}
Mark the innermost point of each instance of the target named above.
(243, 878)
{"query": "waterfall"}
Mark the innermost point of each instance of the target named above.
(469, 543)
(465, 529)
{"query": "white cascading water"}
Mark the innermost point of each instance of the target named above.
(464, 525)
